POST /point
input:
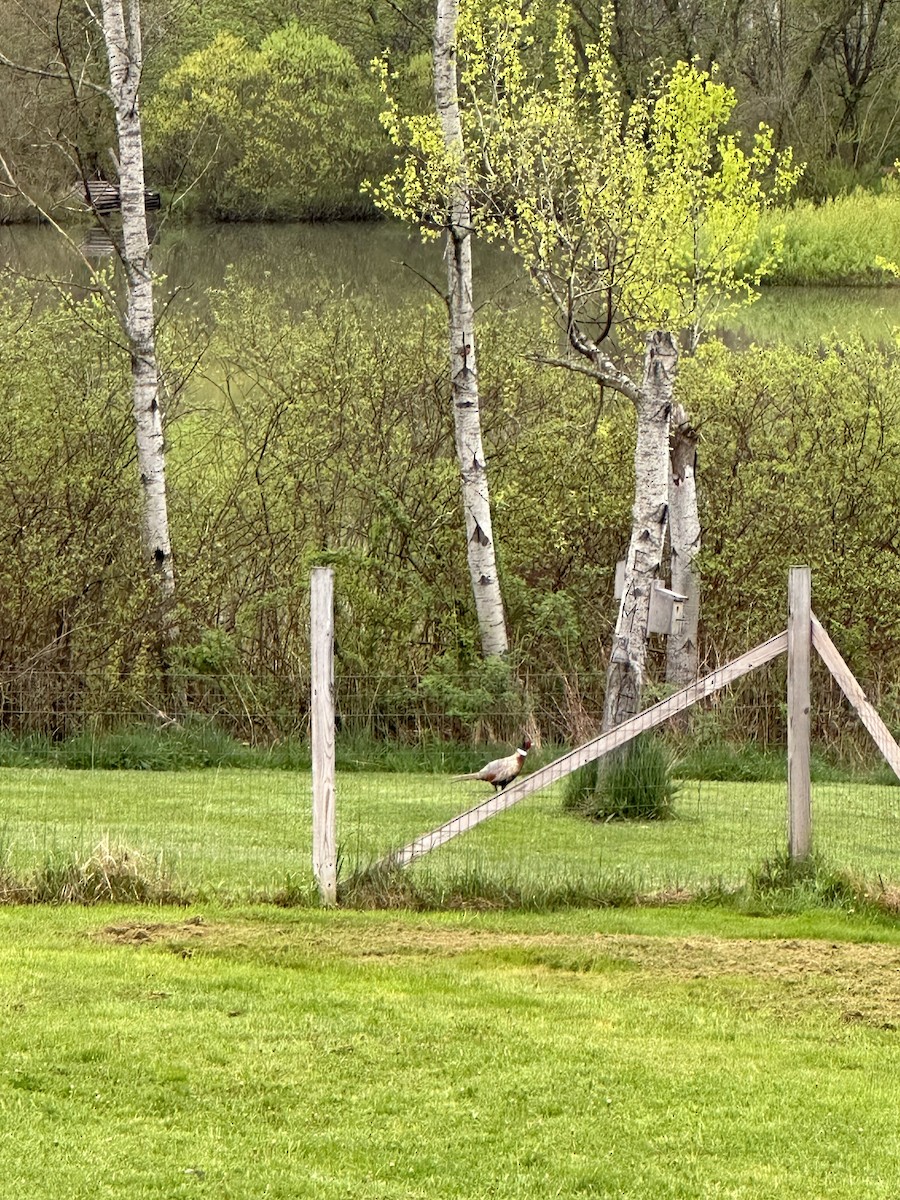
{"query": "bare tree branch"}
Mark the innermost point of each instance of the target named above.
(437, 291)
(603, 372)
(97, 278)
(62, 76)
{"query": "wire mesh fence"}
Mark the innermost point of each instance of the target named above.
(218, 795)
(855, 794)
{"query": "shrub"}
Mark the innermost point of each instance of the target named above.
(480, 694)
(283, 132)
(634, 784)
(837, 242)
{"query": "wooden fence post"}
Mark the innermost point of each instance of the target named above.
(798, 699)
(324, 815)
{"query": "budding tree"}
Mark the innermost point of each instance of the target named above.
(635, 222)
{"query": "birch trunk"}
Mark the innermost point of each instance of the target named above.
(653, 405)
(463, 364)
(682, 651)
(122, 36)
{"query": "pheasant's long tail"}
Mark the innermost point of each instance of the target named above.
(460, 778)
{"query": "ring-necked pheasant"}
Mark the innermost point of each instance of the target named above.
(501, 771)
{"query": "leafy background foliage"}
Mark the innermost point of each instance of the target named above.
(828, 87)
(284, 131)
(327, 440)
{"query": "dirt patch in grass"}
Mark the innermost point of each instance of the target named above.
(860, 981)
(140, 933)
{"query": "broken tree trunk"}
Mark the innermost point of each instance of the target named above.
(653, 406)
(682, 650)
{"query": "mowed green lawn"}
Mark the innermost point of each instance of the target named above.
(256, 1053)
(241, 833)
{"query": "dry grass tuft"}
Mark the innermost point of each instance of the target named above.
(110, 874)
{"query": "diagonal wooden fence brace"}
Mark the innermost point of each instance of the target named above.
(846, 681)
(596, 748)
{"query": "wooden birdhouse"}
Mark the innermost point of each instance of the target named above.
(666, 610)
(666, 606)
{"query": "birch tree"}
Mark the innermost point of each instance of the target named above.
(682, 647)
(118, 23)
(121, 29)
(450, 211)
(463, 360)
(635, 222)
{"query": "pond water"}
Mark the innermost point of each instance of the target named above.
(389, 263)
(300, 262)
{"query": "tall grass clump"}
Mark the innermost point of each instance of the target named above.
(32, 750)
(783, 884)
(473, 888)
(195, 744)
(109, 874)
(731, 762)
(634, 784)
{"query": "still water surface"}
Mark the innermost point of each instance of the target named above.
(389, 264)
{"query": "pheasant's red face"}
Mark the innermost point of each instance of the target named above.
(526, 745)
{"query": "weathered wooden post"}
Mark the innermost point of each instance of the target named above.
(324, 815)
(798, 699)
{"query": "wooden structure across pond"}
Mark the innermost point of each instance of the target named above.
(103, 196)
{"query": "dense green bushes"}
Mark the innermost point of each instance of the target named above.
(290, 78)
(801, 463)
(68, 492)
(336, 446)
(285, 131)
(328, 439)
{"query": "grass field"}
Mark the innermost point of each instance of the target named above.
(239, 1051)
(240, 833)
(676, 1054)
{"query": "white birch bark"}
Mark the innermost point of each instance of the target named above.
(682, 650)
(653, 407)
(463, 364)
(122, 37)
